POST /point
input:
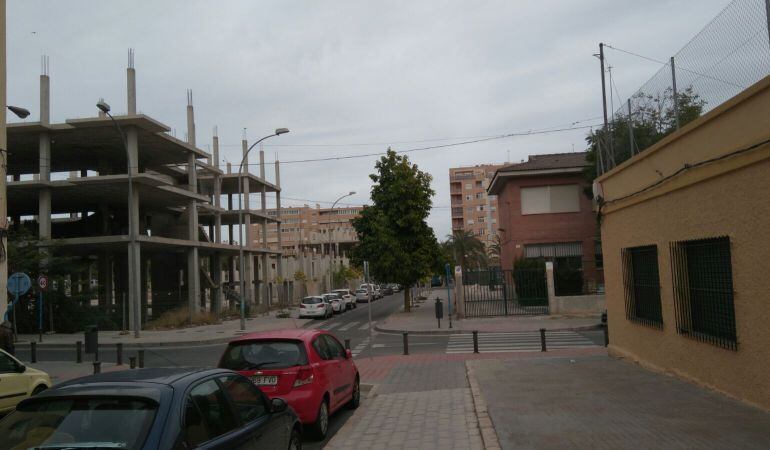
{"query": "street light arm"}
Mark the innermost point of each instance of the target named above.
(245, 155)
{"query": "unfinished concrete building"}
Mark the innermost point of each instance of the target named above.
(72, 179)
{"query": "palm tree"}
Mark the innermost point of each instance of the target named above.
(495, 249)
(467, 249)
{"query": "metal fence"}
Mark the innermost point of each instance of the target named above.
(728, 55)
(496, 292)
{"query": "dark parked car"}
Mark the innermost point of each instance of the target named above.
(153, 409)
(387, 290)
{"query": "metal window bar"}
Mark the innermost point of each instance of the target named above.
(641, 282)
(703, 291)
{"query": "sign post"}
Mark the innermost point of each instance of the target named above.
(448, 271)
(369, 294)
(42, 283)
(18, 285)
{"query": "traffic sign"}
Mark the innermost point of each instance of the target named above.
(42, 281)
(19, 283)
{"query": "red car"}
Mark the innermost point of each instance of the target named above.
(309, 369)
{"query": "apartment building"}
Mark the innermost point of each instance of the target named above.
(308, 228)
(472, 209)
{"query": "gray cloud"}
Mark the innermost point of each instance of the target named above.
(348, 72)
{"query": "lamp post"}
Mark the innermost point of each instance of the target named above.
(241, 270)
(330, 236)
(105, 108)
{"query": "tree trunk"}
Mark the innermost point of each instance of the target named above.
(407, 299)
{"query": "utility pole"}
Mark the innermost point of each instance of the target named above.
(604, 104)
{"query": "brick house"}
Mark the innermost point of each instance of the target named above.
(544, 213)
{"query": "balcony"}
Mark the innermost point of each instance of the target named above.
(457, 212)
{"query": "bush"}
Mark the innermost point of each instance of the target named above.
(180, 318)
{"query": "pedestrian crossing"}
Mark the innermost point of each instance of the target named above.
(360, 347)
(331, 324)
(348, 326)
(525, 341)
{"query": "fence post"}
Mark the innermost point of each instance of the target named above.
(132, 362)
(459, 308)
(119, 349)
(33, 352)
(631, 127)
(542, 340)
(79, 352)
(553, 307)
(475, 342)
(406, 342)
(676, 98)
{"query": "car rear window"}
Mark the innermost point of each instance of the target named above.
(361, 291)
(312, 300)
(263, 354)
(61, 422)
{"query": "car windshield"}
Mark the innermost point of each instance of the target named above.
(60, 423)
(263, 354)
(312, 300)
(361, 291)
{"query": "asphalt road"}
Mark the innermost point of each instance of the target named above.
(353, 325)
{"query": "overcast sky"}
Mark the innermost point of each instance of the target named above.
(353, 76)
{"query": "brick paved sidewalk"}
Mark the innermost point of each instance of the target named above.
(604, 403)
(206, 334)
(422, 319)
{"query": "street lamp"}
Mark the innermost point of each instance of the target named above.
(278, 132)
(105, 108)
(330, 236)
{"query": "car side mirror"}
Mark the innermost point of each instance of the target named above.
(21, 368)
(278, 405)
(348, 353)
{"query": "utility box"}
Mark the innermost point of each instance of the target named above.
(91, 338)
(439, 309)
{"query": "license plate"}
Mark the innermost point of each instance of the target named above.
(265, 380)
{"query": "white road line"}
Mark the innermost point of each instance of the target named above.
(330, 326)
(365, 326)
(348, 326)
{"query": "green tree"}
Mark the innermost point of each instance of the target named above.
(495, 250)
(652, 118)
(468, 250)
(393, 234)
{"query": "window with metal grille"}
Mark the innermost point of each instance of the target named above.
(641, 281)
(703, 290)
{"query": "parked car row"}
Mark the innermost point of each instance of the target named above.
(326, 305)
(268, 389)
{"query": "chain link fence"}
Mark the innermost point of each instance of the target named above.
(728, 55)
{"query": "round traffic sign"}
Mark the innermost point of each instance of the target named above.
(19, 283)
(42, 281)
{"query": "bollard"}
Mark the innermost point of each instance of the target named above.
(97, 367)
(475, 342)
(132, 362)
(606, 335)
(119, 356)
(406, 342)
(78, 352)
(33, 352)
(96, 352)
(141, 359)
(347, 344)
(542, 340)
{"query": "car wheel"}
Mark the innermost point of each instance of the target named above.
(356, 400)
(38, 389)
(295, 441)
(321, 425)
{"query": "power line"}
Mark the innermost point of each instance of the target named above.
(434, 147)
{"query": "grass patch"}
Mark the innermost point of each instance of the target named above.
(180, 318)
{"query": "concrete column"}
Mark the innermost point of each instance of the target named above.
(193, 262)
(279, 257)
(190, 119)
(217, 296)
(263, 205)
(44, 160)
(131, 84)
(248, 275)
(217, 192)
(134, 251)
(459, 294)
(552, 304)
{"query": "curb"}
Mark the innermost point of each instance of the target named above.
(486, 427)
(449, 333)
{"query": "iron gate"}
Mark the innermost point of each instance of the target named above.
(495, 292)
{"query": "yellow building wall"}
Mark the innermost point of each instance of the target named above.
(729, 197)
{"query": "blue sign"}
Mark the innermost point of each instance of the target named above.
(19, 283)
